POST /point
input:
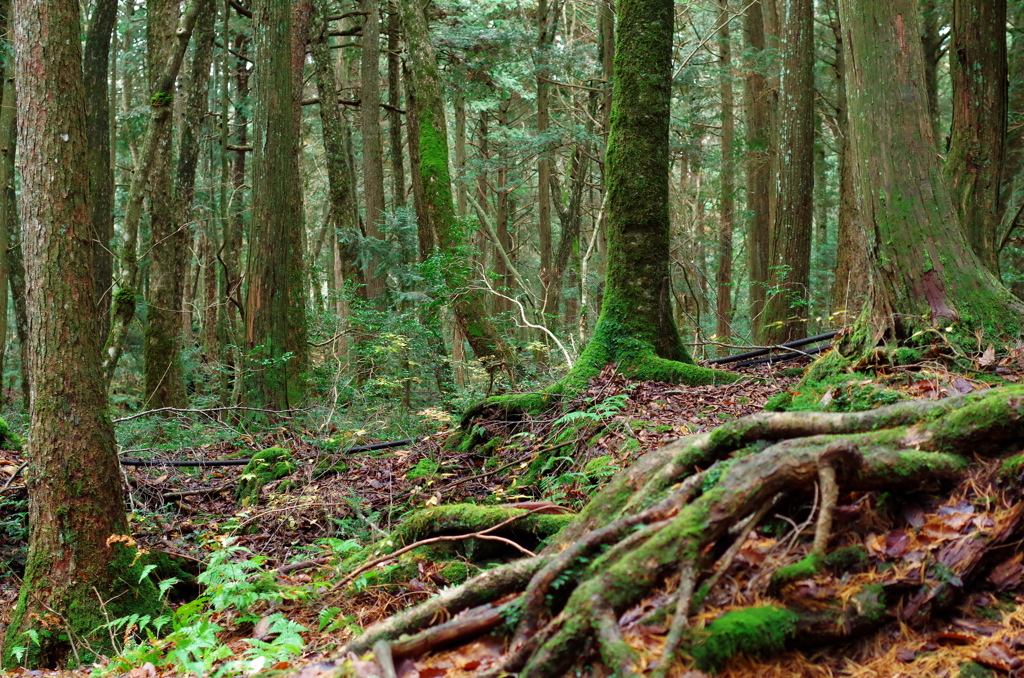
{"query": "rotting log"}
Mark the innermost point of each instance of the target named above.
(677, 508)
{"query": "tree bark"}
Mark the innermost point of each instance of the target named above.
(726, 201)
(925, 272)
(373, 149)
(196, 108)
(164, 382)
(13, 264)
(932, 40)
(756, 102)
(395, 100)
(975, 159)
(276, 298)
(432, 167)
(341, 192)
(101, 177)
(81, 564)
(850, 282)
(790, 278)
(545, 35)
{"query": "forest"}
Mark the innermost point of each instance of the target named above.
(539, 338)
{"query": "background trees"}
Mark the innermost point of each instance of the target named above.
(762, 201)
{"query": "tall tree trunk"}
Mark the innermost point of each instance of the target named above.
(164, 384)
(726, 210)
(975, 160)
(276, 298)
(79, 569)
(13, 262)
(196, 107)
(373, 150)
(544, 37)
(926, 274)
(425, 231)
(786, 309)
(850, 282)
(101, 177)
(468, 303)
(756, 104)
(340, 191)
(395, 100)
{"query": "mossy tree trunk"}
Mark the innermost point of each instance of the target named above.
(924, 271)
(164, 381)
(980, 94)
(636, 327)
(275, 300)
(77, 570)
(13, 263)
(431, 167)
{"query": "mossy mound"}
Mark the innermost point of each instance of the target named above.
(529, 531)
(754, 631)
(265, 467)
(847, 392)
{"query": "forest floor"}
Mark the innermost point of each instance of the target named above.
(295, 528)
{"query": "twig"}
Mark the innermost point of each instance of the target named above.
(14, 475)
(207, 410)
(194, 493)
(302, 565)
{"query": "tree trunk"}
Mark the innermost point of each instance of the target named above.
(926, 274)
(850, 283)
(196, 106)
(432, 167)
(974, 163)
(790, 278)
(726, 210)
(395, 100)
(373, 150)
(82, 565)
(276, 296)
(545, 35)
(340, 191)
(101, 177)
(164, 384)
(756, 105)
(636, 328)
(13, 263)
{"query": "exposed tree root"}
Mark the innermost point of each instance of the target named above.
(678, 509)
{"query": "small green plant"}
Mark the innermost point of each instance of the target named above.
(237, 586)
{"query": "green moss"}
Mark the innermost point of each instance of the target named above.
(754, 631)
(975, 670)
(802, 569)
(846, 559)
(905, 355)
(779, 402)
(161, 99)
(529, 531)
(424, 468)
(265, 467)
(457, 572)
(844, 392)
(8, 438)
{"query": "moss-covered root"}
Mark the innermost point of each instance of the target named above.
(265, 467)
(520, 526)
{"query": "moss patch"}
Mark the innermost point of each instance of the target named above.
(754, 631)
(265, 467)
